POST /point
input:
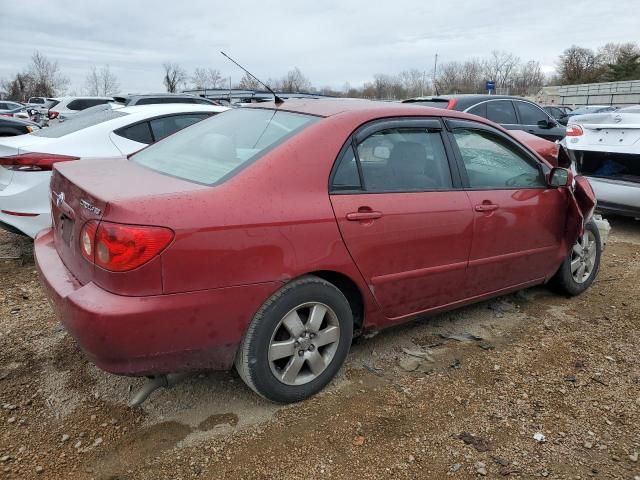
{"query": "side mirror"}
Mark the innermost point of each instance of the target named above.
(546, 124)
(560, 177)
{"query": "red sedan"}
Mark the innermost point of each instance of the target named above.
(268, 236)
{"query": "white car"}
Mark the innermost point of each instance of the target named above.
(7, 106)
(26, 161)
(67, 107)
(605, 147)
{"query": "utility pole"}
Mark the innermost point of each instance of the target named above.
(435, 69)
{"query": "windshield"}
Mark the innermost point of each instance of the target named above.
(214, 149)
(78, 123)
(634, 109)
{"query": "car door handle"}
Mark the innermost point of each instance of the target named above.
(359, 216)
(486, 207)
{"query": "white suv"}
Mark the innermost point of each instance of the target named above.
(70, 106)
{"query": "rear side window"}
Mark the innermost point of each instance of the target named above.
(480, 110)
(79, 122)
(530, 114)
(36, 100)
(140, 133)
(492, 162)
(165, 126)
(158, 100)
(346, 176)
(501, 111)
(396, 160)
(83, 103)
(215, 149)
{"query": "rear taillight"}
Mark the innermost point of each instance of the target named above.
(574, 131)
(451, 104)
(118, 247)
(51, 114)
(33, 162)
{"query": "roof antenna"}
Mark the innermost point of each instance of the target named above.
(276, 98)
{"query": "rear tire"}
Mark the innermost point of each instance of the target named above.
(580, 268)
(297, 341)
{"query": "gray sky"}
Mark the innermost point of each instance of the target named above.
(331, 41)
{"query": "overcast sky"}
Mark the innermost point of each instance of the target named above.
(331, 41)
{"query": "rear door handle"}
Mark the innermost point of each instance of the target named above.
(486, 207)
(359, 216)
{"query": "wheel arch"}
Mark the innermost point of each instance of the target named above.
(350, 290)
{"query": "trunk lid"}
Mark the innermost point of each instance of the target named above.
(80, 193)
(610, 129)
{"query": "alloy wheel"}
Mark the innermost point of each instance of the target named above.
(583, 257)
(304, 343)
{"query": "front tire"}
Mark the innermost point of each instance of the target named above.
(581, 266)
(297, 341)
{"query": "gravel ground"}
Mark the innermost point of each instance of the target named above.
(529, 385)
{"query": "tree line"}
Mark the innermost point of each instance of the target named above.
(513, 76)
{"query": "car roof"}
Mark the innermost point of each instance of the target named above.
(161, 108)
(79, 97)
(327, 107)
(137, 96)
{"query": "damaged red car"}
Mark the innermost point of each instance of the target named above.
(267, 237)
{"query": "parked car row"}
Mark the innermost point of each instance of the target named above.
(268, 236)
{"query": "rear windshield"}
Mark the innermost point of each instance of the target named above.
(78, 123)
(214, 149)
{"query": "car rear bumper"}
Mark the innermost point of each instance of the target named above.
(24, 202)
(152, 334)
(617, 197)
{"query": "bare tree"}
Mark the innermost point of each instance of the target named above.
(414, 82)
(611, 53)
(462, 77)
(174, 76)
(579, 65)
(101, 82)
(294, 81)
(206, 78)
(247, 82)
(501, 67)
(19, 88)
(47, 79)
(528, 79)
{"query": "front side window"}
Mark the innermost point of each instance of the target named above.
(530, 114)
(501, 111)
(215, 148)
(396, 160)
(492, 162)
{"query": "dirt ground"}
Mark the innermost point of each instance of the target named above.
(529, 385)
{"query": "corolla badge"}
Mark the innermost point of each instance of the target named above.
(59, 198)
(87, 206)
